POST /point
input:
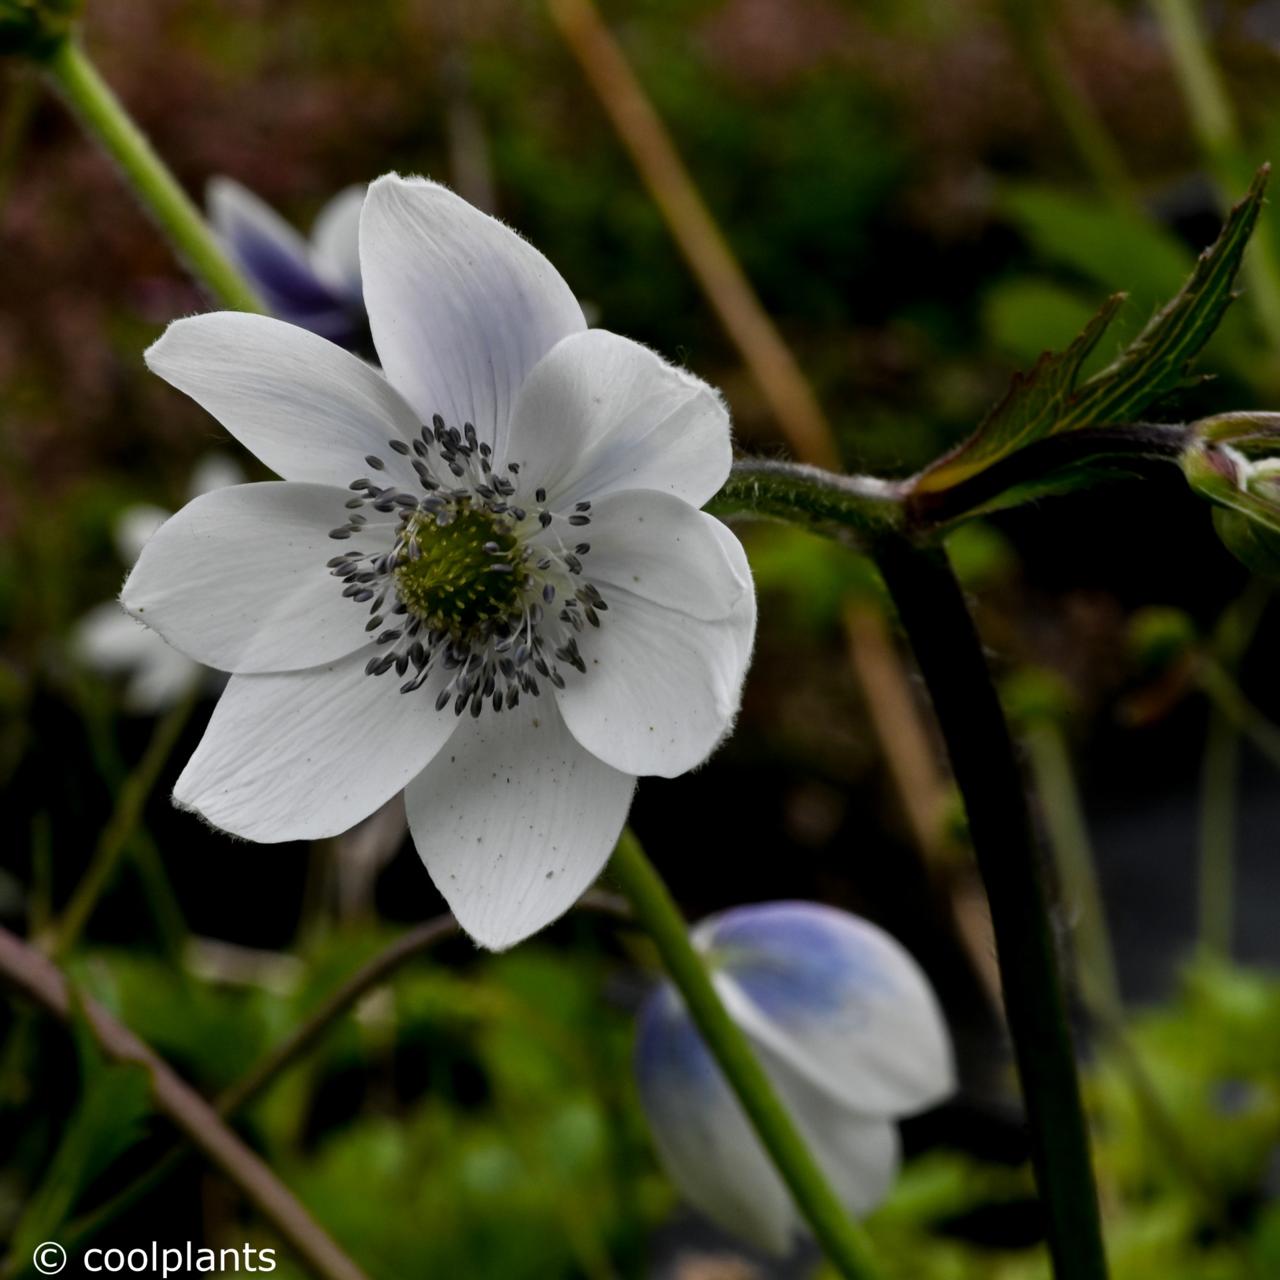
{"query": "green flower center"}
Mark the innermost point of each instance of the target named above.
(460, 577)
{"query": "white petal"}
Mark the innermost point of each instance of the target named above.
(600, 413)
(335, 242)
(308, 754)
(711, 1151)
(838, 1000)
(460, 306)
(703, 1138)
(662, 686)
(661, 549)
(214, 471)
(515, 820)
(161, 679)
(134, 525)
(237, 579)
(308, 409)
(108, 640)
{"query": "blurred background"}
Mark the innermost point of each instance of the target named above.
(924, 196)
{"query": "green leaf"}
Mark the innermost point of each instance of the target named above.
(115, 1100)
(1112, 247)
(1050, 398)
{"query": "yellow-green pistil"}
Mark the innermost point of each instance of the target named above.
(465, 574)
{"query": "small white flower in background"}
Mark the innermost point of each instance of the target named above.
(484, 580)
(847, 1029)
(109, 641)
(316, 283)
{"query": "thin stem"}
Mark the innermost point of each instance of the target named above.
(1213, 121)
(844, 1242)
(932, 610)
(104, 117)
(1097, 149)
(19, 110)
(1227, 696)
(1218, 835)
(171, 925)
(698, 237)
(1077, 869)
(31, 974)
(131, 800)
(273, 1063)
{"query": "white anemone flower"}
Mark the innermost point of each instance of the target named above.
(314, 283)
(109, 641)
(850, 1034)
(483, 581)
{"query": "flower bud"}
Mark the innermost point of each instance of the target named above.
(1234, 461)
(848, 1031)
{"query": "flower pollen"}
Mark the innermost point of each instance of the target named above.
(470, 578)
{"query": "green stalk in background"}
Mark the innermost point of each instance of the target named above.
(1029, 23)
(1216, 888)
(842, 1239)
(1050, 759)
(1214, 124)
(76, 79)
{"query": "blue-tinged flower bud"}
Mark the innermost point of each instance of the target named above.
(847, 1029)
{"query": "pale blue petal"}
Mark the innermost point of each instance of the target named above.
(838, 999)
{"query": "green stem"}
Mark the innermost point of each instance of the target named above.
(121, 826)
(103, 116)
(841, 1238)
(1214, 123)
(1218, 835)
(1078, 116)
(933, 613)
(1227, 696)
(837, 505)
(1077, 870)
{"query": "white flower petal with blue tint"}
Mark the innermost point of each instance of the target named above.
(108, 640)
(514, 820)
(561, 638)
(280, 612)
(307, 754)
(664, 670)
(460, 306)
(134, 526)
(308, 409)
(213, 471)
(837, 999)
(711, 1152)
(335, 243)
(613, 415)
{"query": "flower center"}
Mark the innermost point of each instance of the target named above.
(471, 584)
(464, 577)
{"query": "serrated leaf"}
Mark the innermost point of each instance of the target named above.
(1049, 399)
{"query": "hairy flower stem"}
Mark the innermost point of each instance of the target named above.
(843, 1241)
(933, 613)
(102, 115)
